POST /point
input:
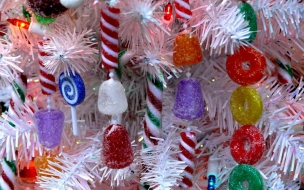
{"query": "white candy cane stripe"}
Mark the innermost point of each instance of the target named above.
(152, 122)
(47, 80)
(109, 37)
(187, 147)
(182, 9)
(8, 178)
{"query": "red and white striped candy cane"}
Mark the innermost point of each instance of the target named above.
(47, 80)
(187, 147)
(182, 9)
(109, 24)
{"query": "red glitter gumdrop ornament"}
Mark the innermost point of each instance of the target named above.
(246, 66)
(117, 150)
(187, 50)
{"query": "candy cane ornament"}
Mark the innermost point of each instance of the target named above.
(8, 175)
(152, 121)
(47, 80)
(182, 9)
(18, 94)
(109, 24)
(187, 147)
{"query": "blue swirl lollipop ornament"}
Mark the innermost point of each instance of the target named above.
(72, 90)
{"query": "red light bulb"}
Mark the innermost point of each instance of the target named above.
(19, 23)
(168, 12)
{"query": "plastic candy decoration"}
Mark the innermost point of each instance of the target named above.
(72, 90)
(47, 80)
(246, 66)
(109, 24)
(247, 144)
(8, 175)
(187, 50)
(246, 105)
(182, 9)
(187, 148)
(49, 127)
(250, 17)
(116, 146)
(153, 116)
(242, 173)
(111, 98)
(189, 103)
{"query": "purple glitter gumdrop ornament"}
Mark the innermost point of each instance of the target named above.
(189, 103)
(49, 127)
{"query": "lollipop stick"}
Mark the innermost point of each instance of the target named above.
(74, 121)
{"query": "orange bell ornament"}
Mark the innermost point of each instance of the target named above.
(187, 50)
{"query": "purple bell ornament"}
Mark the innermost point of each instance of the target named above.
(49, 127)
(189, 103)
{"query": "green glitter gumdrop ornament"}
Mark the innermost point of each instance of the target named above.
(250, 17)
(245, 173)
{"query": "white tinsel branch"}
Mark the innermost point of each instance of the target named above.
(221, 27)
(69, 51)
(163, 170)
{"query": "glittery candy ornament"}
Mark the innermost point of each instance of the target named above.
(189, 103)
(187, 50)
(250, 17)
(247, 144)
(73, 91)
(49, 127)
(116, 146)
(246, 105)
(111, 98)
(246, 66)
(245, 173)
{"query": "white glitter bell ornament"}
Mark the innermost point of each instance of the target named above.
(111, 98)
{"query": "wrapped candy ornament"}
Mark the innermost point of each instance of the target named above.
(116, 146)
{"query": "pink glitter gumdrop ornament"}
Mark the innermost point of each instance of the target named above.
(117, 150)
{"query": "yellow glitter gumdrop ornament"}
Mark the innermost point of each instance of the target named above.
(187, 50)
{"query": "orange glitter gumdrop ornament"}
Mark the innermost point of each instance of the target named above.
(187, 50)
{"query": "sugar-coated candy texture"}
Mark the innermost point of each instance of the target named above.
(189, 103)
(187, 50)
(246, 66)
(116, 146)
(111, 98)
(242, 173)
(250, 17)
(247, 144)
(49, 127)
(246, 105)
(72, 88)
(47, 8)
